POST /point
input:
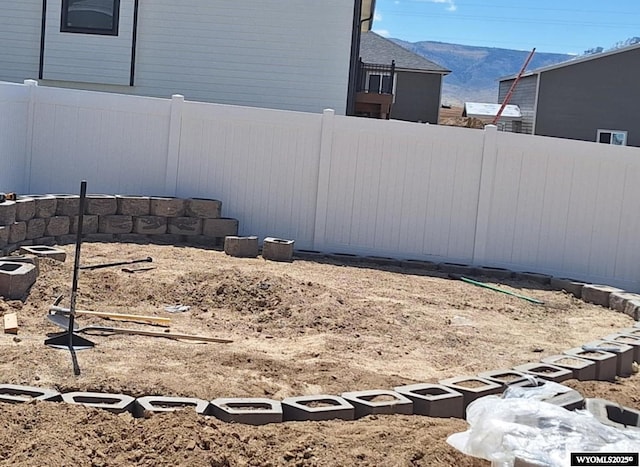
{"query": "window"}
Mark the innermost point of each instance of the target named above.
(616, 137)
(380, 83)
(90, 16)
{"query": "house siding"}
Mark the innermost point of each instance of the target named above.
(524, 96)
(577, 100)
(417, 97)
(20, 24)
(88, 58)
(290, 55)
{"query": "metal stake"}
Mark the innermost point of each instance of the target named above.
(69, 340)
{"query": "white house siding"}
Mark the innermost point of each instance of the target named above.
(19, 39)
(266, 53)
(88, 58)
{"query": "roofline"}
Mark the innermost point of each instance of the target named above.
(574, 61)
(411, 70)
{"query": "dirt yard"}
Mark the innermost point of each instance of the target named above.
(307, 327)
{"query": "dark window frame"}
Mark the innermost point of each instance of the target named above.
(83, 30)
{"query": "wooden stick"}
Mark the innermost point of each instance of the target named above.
(117, 316)
(142, 332)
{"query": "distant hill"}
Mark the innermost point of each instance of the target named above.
(476, 70)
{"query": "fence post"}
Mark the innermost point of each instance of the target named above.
(28, 144)
(173, 150)
(324, 168)
(485, 195)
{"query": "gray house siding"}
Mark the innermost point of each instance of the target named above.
(292, 55)
(577, 100)
(524, 96)
(417, 97)
(20, 24)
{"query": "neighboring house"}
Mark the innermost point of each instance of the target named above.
(413, 83)
(294, 55)
(590, 98)
(487, 112)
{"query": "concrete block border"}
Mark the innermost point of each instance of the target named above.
(316, 408)
(250, 411)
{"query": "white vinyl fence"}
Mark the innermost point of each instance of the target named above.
(341, 184)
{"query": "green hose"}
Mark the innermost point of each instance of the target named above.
(497, 289)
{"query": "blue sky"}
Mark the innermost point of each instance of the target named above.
(563, 26)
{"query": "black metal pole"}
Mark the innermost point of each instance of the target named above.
(76, 266)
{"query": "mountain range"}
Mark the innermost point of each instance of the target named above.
(476, 71)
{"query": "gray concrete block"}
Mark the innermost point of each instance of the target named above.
(101, 205)
(158, 404)
(457, 268)
(150, 225)
(184, 226)
(613, 414)
(378, 401)
(167, 207)
(618, 300)
(434, 400)
(497, 273)
(67, 204)
(220, 228)
(203, 208)
(7, 212)
(277, 249)
(36, 228)
(571, 286)
(17, 232)
(344, 257)
(16, 279)
(634, 331)
(241, 247)
(308, 254)
(98, 238)
(89, 224)
(419, 264)
(116, 403)
(606, 362)
(132, 205)
(380, 260)
(317, 407)
(29, 259)
(545, 371)
(166, 239)
(56, 226)
(504, 376)
(472, 387)
(45, 205)
(10, 248)
(622, 339)
(115, 224)
(4, 235)
(250, 411)
(25, 209)
(598, 294)
(538, 278)
(48, 241)
(14, 393)
(624, 354)
(203, 241)
(44, 251)
(132, 238)
(632, 308)
(25, 243)
(583, 369)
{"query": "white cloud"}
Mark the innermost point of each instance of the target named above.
(382, 32)
(452, 4)
(377, 17)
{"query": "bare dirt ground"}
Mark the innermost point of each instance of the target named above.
(307, 327)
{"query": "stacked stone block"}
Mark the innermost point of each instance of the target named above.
(53, 219)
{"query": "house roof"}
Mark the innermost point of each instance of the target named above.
(483, 110)
(574, 61)
(376, 50)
